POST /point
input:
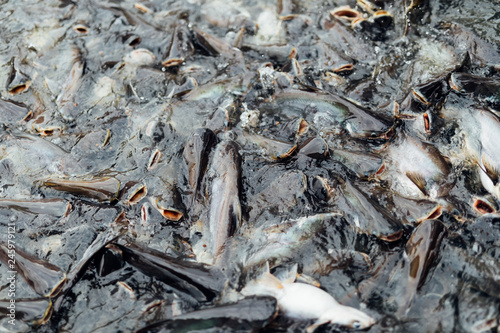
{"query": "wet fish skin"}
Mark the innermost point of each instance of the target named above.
(46, 279)
(99, 188)
(33, 311)
(17, 82)
(11, 112)
(55, 207)
(225, 210)
(196, 153)
(254, 312)
(79, 268)
(216, 46)
(354, 119)
(180, 47)
(66, 99)
(364, 164)
(366, 214)
(476, 311)
(484, 89)
(422, 249)
(202, 282)
(277, 243)
(417, 169)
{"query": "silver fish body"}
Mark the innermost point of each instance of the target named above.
(224, 215)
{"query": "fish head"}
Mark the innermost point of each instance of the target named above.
(348, 317)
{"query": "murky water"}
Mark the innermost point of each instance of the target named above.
(154, 156)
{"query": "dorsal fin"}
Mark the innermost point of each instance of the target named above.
(288, 275)
(418, 179)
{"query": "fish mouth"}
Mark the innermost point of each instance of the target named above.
(18, 89)
(433, 214)
(137, 194)
(345, 13)
(482, 207)
(392, 237)
(173, 62)
(171, 214)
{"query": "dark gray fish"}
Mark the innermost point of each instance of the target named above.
(364, 164)
(12, 112)
(17, 82)
(482, 272)
(273, 149)
(46, 279)
(342, 114)
(202, 282)
(77, 270)
(366, 214)
(277, 53)
(111, 260)
(166, 197)
(35, 156)
(180, 46)
(249, 314)
(170, 206)
(484, 89)
(422, 249)
(216, 46)
(314, 148)
(34, 311)
(54, 207)
(225, 210)
(196, 153)
(99, 188)
(476, 311)
(133, 192)
(283, 193)
(416, 211)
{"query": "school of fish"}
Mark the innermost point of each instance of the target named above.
(249, 166)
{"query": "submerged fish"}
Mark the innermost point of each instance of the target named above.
(46, 279)
(484, 89)
(331, 112)
(366, 214)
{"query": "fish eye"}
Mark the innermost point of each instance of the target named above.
(356, 325)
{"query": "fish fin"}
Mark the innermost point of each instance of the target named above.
(418, 180)
(489, 169)
(271, 281)
(289, 275)
(316, 324)
(237, 212)
(235, 216)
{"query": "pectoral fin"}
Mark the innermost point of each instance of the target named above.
(317, 324)
(418, 179)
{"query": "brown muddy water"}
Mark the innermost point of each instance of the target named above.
(157, 157)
